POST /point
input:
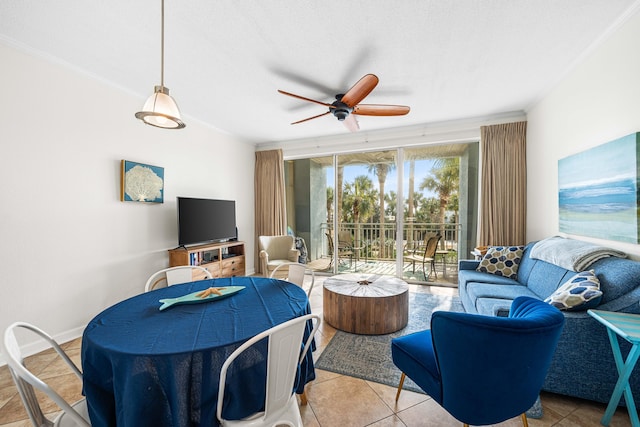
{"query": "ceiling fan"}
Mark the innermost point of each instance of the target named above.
(348, 104)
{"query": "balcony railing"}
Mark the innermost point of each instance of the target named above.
(377, 242)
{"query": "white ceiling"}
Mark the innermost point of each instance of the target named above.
(225, 59)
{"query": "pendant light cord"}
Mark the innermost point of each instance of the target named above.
(161, 109)
(162, 46)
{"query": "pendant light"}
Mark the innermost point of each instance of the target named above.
(161, 110)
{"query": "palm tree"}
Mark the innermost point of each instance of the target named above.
(358, 202)
(410, 217)
(330, 206)
(338, 195)
(445, 180)
(428, 209)
(381, 170)
(390, 200)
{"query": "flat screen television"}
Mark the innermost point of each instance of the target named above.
(205, 220)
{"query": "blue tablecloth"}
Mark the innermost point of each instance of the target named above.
(145, 367)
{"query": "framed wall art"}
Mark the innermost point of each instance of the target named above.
(598, 191)
(141, 183)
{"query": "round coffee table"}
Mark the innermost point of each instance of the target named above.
(366, 304)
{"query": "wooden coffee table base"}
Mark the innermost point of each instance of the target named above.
(366, 304)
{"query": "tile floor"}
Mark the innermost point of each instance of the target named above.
(333, 400)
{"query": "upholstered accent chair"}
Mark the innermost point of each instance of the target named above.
(276, 250)
(482, 369)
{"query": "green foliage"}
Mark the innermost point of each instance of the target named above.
(329, 204)
(358, 200)
(390, 200)
(444, 180)
(361, 202)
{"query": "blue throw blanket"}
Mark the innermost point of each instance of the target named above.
(571, 254)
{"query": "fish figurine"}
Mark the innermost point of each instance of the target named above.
(205, 295)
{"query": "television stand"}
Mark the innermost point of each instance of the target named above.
(225, 259)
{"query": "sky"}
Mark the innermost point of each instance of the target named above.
(422, 169)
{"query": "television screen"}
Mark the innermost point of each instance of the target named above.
(205, 220)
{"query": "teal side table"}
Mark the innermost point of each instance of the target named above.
(627, 326)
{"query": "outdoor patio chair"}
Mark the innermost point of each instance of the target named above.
(343, 251)
(427, 255)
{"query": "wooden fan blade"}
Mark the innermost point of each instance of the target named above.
(310, 118)
(351, 123)
(305, 99)
(380, 110)
(360, 90)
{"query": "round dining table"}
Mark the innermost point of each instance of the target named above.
(148, 367)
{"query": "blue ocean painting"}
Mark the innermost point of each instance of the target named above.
(598, 191)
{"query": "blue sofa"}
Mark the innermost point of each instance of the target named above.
(583, 365)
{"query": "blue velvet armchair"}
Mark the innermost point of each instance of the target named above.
(482, 369)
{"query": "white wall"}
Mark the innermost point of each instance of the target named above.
(69, 247)
(597, 102)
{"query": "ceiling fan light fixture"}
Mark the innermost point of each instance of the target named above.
(161, 110)
(347, 105)
(340, 114)
(340, 110)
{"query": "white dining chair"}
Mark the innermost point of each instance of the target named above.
(72, 414)
(174, 275)
(283, 358)
(295, 273)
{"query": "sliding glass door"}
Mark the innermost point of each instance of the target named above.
(365, 220)
(440, 185)
(367, 212)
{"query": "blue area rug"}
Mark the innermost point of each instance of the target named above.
(369, 356)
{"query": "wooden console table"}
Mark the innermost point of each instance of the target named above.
(220, 259)
(366, 304)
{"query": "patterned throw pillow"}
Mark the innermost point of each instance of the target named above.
(502, 261)
(581, 292)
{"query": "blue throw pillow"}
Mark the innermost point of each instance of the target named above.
(581, 292)
(502, 261)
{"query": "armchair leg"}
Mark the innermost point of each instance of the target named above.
(303, 398)
(400, 386)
